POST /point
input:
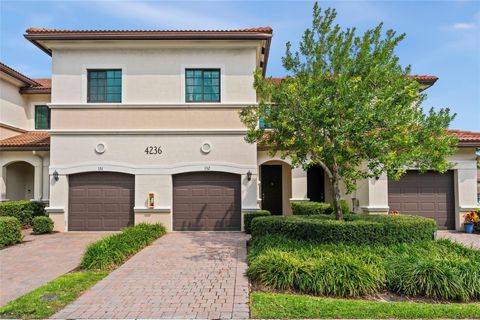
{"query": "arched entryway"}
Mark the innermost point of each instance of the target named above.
(19, 181)
(316, 183)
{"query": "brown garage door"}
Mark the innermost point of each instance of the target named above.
(206, 201)
(429, 195)
(100, 201)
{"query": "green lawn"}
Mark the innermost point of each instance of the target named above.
(64, 289)
(284, 306)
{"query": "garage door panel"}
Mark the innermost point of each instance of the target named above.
(206, 201)
(430, 195)
(100, 201)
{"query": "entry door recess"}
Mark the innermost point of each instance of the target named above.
(316, 184)
(272, 188)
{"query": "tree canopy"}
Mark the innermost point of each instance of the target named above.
(349, 106)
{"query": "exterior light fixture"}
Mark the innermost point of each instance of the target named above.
(249, 175)
(55, 175)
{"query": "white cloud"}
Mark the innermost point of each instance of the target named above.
(464, 26)
(163, 16)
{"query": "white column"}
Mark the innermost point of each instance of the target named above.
(466, 191)
(299, 185)
(3, 183)
(46, 180)
(377, 195)
(37, 182)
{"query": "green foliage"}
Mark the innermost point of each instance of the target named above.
(356, 229)
(10, 231)
(307, 208)
(24, 211)
(113, 250)
(248, 217)
(344, 206)
(290, 306)
(434, 269)
(340, 275)
(66, 288)
(42, 224)
(353, 104)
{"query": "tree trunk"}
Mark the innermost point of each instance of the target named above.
(336, 194)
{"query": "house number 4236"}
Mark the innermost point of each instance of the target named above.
(152, 150)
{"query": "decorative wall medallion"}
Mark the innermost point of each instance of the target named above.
(206, 147)
(100, 148)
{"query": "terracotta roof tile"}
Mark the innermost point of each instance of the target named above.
(467, 138)
(50, 31)
(424, 79)
(33, 140)
(45, 87)
(17, 75)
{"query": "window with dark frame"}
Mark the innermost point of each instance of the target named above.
(42, 117)
(104, 86)
(202, 85)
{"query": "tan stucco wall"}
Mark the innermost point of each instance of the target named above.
(19, 181)
(156, 75)
(192, 117)
(7, 132)
(18, 110)
(13, 110)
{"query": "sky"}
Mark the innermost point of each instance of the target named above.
(442, 37)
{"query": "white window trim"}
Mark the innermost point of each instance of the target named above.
(86, 67)
(223, 87)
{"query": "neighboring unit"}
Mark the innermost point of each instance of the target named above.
(143, 126)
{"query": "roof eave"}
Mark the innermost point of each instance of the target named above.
(35, 38)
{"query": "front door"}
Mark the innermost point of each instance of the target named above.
(272, 188)
(316, 183)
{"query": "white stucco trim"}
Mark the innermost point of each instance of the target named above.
(152, 210)
(86, 67)
(152, 105)
(468, 208)
(375, 208)
(146, 170)
(151, 131)
(251, 208)
(299, 199)
(55, 209)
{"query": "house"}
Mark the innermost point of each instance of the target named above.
(143, 126)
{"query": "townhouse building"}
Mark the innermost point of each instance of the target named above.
(143, 126)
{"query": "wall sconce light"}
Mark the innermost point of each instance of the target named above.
(249, 175)
(55, 175)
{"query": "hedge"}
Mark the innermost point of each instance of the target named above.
(355, 229)
(114, 249)
(10, 231)
(42, 224)
(310, 208)
(305, 208)
(24, 211)
(248, 217)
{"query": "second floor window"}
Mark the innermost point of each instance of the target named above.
(104, 86)
(42, 117)
(202, 85)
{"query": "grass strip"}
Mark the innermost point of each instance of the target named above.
(290, 306)
(46, 300)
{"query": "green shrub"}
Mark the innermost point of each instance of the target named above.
(10, 231)
(42, 224)
(434, 269)
(24, 211)
(339, 274)
(113, 250)
(248, 217)
(355, 229)
(306, 208)
(344, 206)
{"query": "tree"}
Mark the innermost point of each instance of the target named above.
(350, 107)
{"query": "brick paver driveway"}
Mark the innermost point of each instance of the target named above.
(467, 239)
(39, 259)
(181, 275)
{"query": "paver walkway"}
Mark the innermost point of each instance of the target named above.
(182, 275)
(467, 239)
(39, 259)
